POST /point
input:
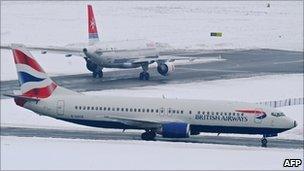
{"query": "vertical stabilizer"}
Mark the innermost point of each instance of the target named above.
(34, 82)
(92, 28)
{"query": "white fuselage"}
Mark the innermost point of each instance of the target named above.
(120, 54)
(202, 115)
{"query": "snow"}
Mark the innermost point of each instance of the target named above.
(48, 153)
(185, 25)
(261, 88)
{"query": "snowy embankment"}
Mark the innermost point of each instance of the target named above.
(183, 25)
(62, 154)
(255, 89)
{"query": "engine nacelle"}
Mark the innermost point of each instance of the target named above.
(175, 130)
(91, 66)
(165, 68)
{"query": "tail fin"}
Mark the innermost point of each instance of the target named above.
(33, 81)
(92, 28)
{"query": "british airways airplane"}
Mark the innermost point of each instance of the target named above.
(116, 54)
(171, 118)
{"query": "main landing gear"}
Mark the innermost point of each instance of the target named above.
(144, 75)
(97, 73)
(264, 141)
(149, 135)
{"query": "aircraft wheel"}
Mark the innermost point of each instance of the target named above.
(141, 77)
(100, 74)
(146, 76)
(148, 136)
(94, 74)
(264, 142)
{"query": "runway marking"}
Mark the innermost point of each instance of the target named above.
(213, 70)
(288, 62)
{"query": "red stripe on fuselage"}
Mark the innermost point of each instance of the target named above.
(43, 92)
(250, 111)
(21, 58)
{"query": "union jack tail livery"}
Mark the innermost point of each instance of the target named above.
(92, 28)
(34, 82)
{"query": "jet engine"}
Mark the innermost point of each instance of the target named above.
(165, 68)
(175, 130)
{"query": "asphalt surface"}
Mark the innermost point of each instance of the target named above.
(115, 135)
(238, 64)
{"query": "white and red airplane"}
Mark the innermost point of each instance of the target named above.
(171, 118)
(115, 54)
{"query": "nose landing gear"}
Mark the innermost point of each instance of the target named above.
(264, 141)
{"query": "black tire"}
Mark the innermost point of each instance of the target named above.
(94, 74)
(100, 74)
(264, 142)
(148, 136)
(146, 76)
(141, 76)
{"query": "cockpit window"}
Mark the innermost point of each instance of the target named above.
(277, 114)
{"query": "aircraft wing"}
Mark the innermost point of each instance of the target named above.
(66, 50)
(135, 122)
(169, 58)
(141, 123)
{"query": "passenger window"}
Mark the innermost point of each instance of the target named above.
(122, 109)
(100, 108)
(173, 111)
(152, 110)
(143, 110)
(156, 110)
(161, 111)
(177, 111)
(169, 111)
(92, 108)
(79, 107)
(131, 110)
(96, 108)
(117, 109)
(76, 107)
(138, 110)
(88, 108)
(135, 110)
(190, 112)
(182, 112)
(113, 109)
(199, 112)
(207, 113)
(84, 108)
(127, 109)
(109, 108)
(104, 108)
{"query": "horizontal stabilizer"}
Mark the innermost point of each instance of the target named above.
(23, 97)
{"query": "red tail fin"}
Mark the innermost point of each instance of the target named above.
(92, 28)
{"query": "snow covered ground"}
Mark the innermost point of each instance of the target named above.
(48, 153)
(184, 25)
(255, 89)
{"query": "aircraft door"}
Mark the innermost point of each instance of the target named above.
(60, 107)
